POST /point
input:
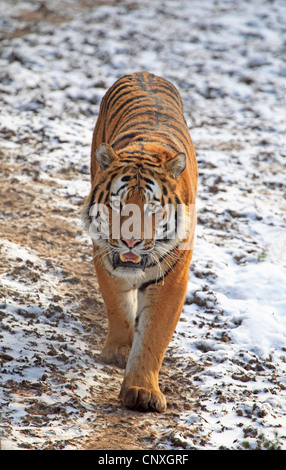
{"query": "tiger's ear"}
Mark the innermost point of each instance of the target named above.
(176, 165)
(105, 156)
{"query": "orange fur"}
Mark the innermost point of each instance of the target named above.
(141, 138)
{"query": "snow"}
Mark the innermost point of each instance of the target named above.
(226, 58)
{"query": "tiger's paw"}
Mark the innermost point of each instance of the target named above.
(117, 355)
(142, 399)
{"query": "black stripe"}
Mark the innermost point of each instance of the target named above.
(156, 114)
(166, 137)
(151, 138)
(129, 136)
(158, 84)
(147, 154)
(155, 281)
(168, 97)
(100, 197)
(109, 97)
(114, 92)
(146, 161)
(177, 200)
(169, 89)
(125, 103)
(140, 153)
(143, 112)
(121, 187)
(148, 180)
(126, 178)
(138, 106)
(146, 128)
(130, 108)
(93, 194)
(136, 321)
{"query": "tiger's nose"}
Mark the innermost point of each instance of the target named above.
(131, 243)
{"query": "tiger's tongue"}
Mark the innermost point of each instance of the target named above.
(130, 257)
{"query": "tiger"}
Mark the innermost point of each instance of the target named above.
(142, 157)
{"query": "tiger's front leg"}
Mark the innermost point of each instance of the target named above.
(120, 327)
(121, 307)
(159, 308)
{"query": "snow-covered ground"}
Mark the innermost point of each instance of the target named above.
(224, 372)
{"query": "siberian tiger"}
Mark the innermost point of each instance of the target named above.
(142, 158)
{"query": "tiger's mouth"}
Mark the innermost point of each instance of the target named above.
(129, 260)
(130, 257)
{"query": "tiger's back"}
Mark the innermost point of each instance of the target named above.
(142, 155)
(140, 113)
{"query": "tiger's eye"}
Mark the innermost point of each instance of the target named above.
(153, 207)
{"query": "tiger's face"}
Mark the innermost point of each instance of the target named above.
(132, 212)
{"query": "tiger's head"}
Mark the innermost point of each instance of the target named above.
(132, 213)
